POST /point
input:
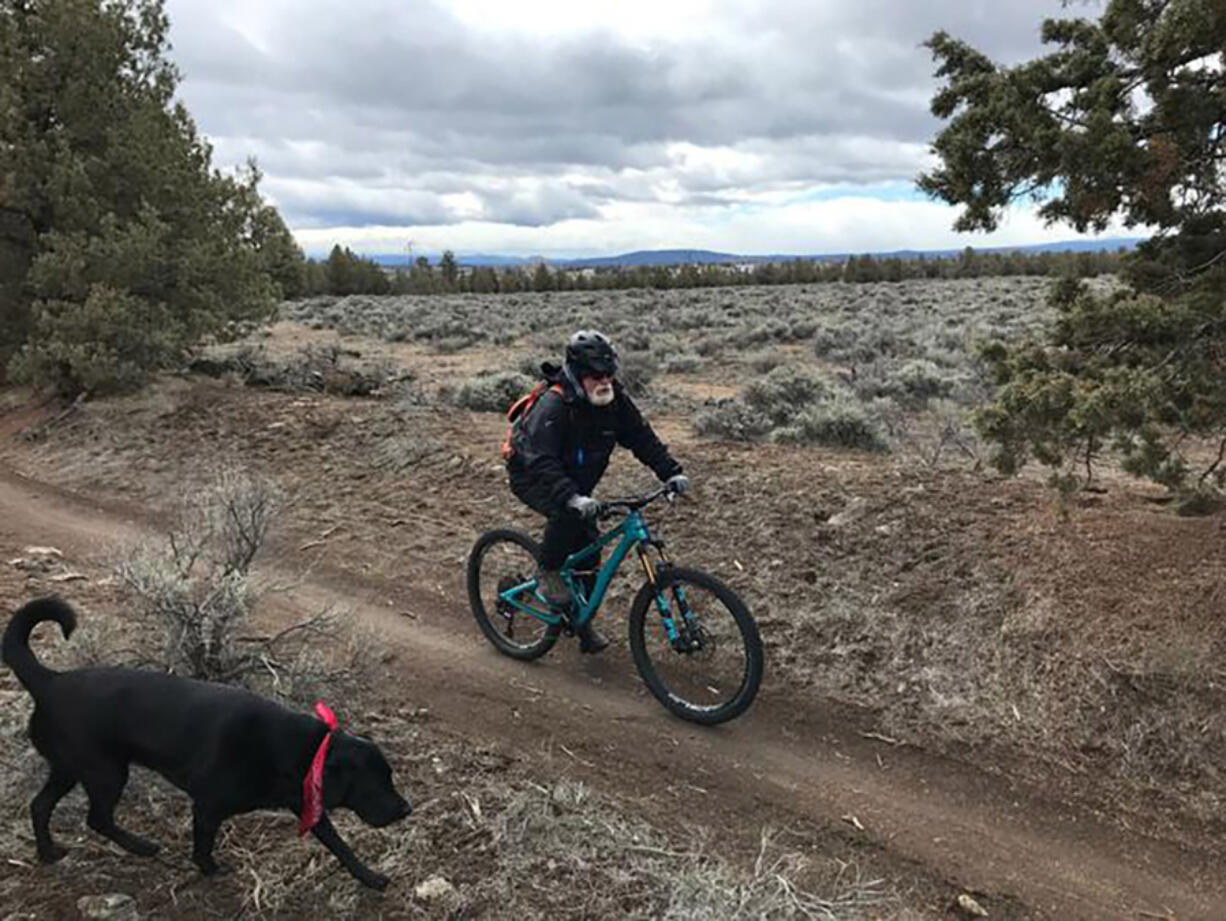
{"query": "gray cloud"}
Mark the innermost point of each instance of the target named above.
(538, 207)
(387, 112)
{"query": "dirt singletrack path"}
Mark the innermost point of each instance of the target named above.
(780, 764)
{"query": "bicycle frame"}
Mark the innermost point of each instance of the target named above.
(631, 533)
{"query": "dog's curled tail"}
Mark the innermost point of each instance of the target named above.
(16, 650)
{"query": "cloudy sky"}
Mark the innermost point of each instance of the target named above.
(585, 127)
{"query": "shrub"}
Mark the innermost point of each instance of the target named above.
(198, 586)
(634, 339)
(493, 392)
(922, 380)
(761, 333)
(682, 363)
(765, 361)
(530, 365)
(733, 421)
(324, 368)
(803, 329)
(784, 391)
(108, 342)
(449, 345)
(795, 406)
(832, 336)
(912, 383)
(836, 423)
(638, 369)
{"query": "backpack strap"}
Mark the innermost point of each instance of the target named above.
(519, 409)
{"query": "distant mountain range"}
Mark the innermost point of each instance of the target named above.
(664, 257)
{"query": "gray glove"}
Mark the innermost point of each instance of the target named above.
(679, 484)
(585, 507)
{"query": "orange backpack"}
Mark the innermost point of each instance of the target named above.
(519, 409)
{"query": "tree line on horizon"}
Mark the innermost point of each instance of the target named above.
(345, 273)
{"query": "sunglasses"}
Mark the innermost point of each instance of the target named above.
(596, 376)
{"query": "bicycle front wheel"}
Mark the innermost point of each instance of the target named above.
(500, 561)
(702, 656)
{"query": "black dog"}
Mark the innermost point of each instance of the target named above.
(230, 750)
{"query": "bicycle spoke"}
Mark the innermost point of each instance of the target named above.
(501, 563)
(705, 666)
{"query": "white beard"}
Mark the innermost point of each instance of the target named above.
(601, 396)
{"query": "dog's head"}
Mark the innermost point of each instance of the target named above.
(358, 777)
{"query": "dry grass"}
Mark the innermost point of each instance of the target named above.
(602, 864)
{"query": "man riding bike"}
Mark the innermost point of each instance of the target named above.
(561, 448)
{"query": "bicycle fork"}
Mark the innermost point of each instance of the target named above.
(683, 637)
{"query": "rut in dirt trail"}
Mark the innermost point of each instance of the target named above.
(779, 761)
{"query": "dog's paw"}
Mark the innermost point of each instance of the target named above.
(375, 881)
(210, 867)
(53, 854)
(142, 848)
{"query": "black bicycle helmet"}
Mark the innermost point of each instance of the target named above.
(590, 352)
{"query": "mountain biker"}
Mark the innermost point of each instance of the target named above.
(561, 448)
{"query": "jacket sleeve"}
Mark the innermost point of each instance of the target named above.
(634, 432)
(541, 443)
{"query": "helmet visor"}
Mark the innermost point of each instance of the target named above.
(605, 365)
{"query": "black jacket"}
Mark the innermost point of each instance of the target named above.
(562, 447)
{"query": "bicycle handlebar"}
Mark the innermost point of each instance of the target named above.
(609, 506)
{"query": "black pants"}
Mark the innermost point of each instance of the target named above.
(565, 532)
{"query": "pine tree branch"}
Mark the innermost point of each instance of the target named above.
(1221, 455)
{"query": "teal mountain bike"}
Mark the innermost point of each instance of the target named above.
(693, 641)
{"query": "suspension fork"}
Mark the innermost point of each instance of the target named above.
(681, 636)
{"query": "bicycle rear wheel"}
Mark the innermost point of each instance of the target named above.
(499, 561)
(710, 671)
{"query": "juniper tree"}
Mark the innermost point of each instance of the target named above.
(449, 269)
(120, 244)
(1124, 119)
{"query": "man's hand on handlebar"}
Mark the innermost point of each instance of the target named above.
(585, 507)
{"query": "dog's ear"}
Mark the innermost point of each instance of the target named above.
(339, 771)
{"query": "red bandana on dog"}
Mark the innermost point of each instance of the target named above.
(313, 784)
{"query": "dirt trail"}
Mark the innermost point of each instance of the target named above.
(779, 764)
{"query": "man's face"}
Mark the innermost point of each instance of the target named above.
(599, 388)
